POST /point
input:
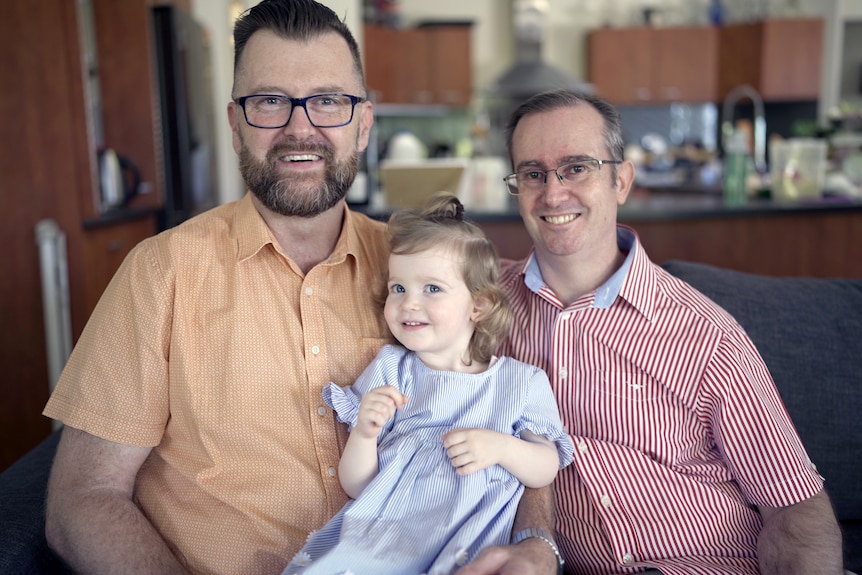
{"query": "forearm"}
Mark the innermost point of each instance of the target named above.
(105, 533)
(536, 509)
(358, 464)
(534, 462)
(799, 539)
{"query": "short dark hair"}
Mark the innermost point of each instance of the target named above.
(292, 19)
(554, 99)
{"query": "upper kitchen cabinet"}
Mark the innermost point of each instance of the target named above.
(780, 58)
(645, 65)
(428, 64)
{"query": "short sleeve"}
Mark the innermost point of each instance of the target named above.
(542, 417)
(345, 400)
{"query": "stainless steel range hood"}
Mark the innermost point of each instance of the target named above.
(530, 74)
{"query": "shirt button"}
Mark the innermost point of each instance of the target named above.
(331, 471)
(606, 501)
(308, 291)
(628, 559)
(315, 349)
(321, 411)
(563, 373)
(582, 447)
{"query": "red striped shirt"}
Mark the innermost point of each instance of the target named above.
(677, 424)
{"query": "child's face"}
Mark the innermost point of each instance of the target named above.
(429, 308)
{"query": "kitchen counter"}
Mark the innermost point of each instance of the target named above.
(821, 238)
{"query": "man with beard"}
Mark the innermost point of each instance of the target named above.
(196, 439)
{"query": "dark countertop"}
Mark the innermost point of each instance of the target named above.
(645, 205)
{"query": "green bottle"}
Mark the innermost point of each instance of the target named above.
(735, 169)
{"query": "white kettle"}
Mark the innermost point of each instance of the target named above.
(119, 179)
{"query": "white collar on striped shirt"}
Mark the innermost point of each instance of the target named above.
(608, 291)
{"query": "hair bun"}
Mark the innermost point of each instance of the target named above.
(444, 206)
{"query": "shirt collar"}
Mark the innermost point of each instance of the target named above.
(252, 234)
(606, 294)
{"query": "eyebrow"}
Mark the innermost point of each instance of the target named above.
(560, 162)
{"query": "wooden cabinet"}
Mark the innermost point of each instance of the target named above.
(780, 58)
(49, 172)
(428, 64)
(644, 65)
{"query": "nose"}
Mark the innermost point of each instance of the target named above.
(409, 302)
(556, 173)
(298, 120)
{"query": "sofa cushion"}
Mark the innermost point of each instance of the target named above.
(809, 333)
(23, 548)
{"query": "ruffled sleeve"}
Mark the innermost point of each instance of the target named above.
(345, 401)
(382, 371)
(542, 417)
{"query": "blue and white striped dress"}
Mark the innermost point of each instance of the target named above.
(417, 515)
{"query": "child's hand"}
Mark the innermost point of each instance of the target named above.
(377, 407)
(472, 450)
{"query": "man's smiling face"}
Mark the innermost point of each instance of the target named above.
(299, 170)
(563, 219)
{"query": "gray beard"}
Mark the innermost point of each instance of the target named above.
(297, 195)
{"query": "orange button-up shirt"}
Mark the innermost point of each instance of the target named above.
(211, 345)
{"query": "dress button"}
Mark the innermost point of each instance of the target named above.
(315, 349)
(628, 559)
(606, 501)
(321, 411)
(582, 447)
(331, 471)
(308, 291)
(563, 373)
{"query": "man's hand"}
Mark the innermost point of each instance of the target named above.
(471, 450)
(377, 407)
(529, 557)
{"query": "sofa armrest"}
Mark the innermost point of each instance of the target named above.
(23, 486)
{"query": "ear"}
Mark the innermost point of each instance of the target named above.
(481, 306)
(625, 179)
(234, 116)
(365, 111)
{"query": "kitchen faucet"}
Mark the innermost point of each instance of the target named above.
(728, 108)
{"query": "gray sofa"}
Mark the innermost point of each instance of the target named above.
(809, 332)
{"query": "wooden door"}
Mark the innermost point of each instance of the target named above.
(621, 64)
(450, 66)
(686, 64)
(791, 61)
(44, 173)
(379, 54)
(412, 71)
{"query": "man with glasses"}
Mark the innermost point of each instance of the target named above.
(196, 437)
(686, 461)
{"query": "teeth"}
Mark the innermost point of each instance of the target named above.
(302, 158)
(561, 219)
(412, 323)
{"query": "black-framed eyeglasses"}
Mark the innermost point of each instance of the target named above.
(572, 173)
(323, 110)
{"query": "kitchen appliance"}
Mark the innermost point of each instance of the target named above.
(529, 75)
(119, 179)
